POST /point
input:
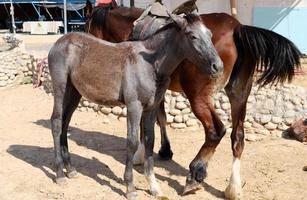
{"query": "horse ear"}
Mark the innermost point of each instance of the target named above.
(180, 21)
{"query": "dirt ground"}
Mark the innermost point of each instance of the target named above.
(271, 169)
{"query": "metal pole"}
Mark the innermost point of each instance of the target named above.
(65, 17)
(13, 20)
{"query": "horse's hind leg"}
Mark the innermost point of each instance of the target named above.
(56, 128)
(71, 100)
(237, 92)
(165, 151)
(215, 130)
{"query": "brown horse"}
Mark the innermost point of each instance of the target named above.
(136, 74)
(243, 49)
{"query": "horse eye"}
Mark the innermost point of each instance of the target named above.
(193, 37)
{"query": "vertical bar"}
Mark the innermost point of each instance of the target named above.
(13, 19)
(131, 3)
(65, 17)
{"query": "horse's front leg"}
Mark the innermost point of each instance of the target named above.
(134, 113)
(215, 130)
(148, 124)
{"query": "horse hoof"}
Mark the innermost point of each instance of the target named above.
(72, 174)
(165, 154)
(233, 192)
(61, 181)
(191, 187)
(132, 195)
(156, 191)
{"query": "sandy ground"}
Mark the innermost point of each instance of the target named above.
(271, 169)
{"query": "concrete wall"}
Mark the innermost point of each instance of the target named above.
(245, 7)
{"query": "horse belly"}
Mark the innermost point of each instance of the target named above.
(102, 86)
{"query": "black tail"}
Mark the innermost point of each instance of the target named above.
(274, 55)
(98, 18)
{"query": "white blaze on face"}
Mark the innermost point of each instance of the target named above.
(203, 29)
(235, 175)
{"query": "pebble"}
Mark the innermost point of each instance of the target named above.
(181, 105)
(178, 119)
(270, 126)
(191, 122)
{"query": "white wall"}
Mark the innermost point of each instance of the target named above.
(245, 7)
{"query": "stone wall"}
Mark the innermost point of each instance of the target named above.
(268, 109)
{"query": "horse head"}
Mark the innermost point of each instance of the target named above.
(199, 48)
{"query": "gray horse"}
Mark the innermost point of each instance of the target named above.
(135, 73)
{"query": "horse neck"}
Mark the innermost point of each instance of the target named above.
(165, 51)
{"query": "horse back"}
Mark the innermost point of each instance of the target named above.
(95, 67)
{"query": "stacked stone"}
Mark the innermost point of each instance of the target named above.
(270, 110)
(13, 64)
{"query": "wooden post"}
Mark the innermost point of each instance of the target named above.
(233, 6)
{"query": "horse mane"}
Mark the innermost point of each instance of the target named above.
(99, 15)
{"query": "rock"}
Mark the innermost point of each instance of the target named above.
(277, 133)
(276, 120)
(83, 109)
(169, 118)
(181, 105)
(124, 112)
(289, 121)
(3, 83)
(185, 118)
(180, 98)
(178, 119)
(289, 113)
(175, 94)
(282, 126)
(225, 106)
(178, 125)
(174, 112)
(106, 110)
(257, 126)
(191, 122)
(265, 119)
(186, 111)
(224, 99)
(86, 103)
(117, 110)
(217, 105)
(270, 126)
(220, 112)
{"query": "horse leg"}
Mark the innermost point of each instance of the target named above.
(165, 152)
(134, 113)
(148, 124)
(139, 156)
(71, 100)
(215, 130)
(237, 92)
(56, 126)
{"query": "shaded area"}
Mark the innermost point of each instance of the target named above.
(43, 158)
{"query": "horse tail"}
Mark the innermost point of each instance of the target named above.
(274, 55)
(98, 18)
